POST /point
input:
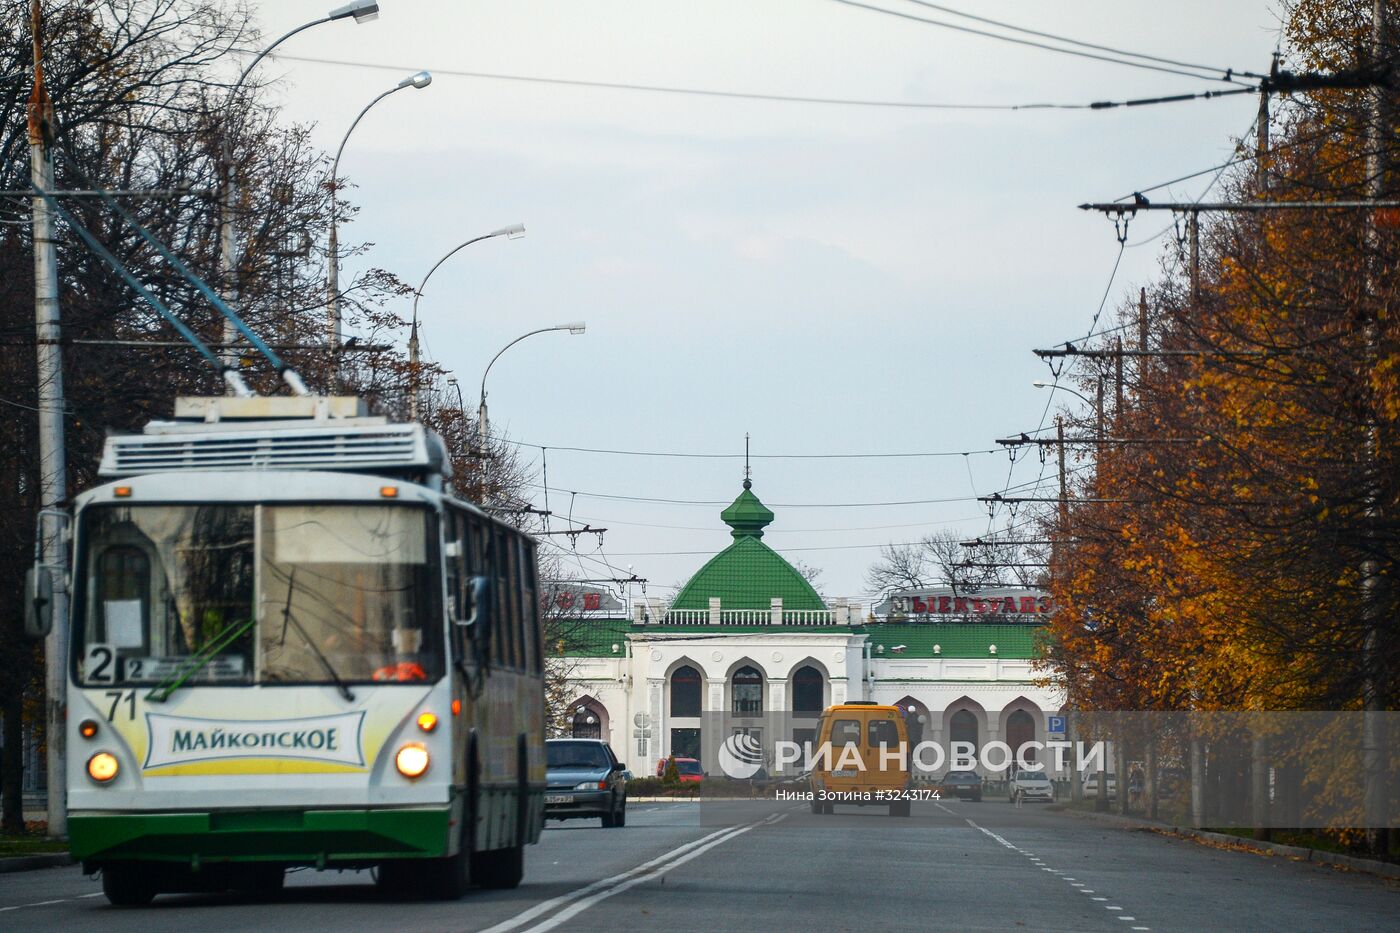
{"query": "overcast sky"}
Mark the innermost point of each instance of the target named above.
(831, 279)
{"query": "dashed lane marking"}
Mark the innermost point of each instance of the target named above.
(1038, 862)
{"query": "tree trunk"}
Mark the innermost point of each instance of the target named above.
(12, 763)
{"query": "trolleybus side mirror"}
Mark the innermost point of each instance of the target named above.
(38, 602)
(480, 610)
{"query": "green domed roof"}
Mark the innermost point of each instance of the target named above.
(748, 574)
(746, 515)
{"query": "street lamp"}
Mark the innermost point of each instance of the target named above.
(574, 327)
(1097, 406)
(420, 80)
(362, 11)
(512, 232)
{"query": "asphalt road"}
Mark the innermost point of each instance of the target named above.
(951, 866)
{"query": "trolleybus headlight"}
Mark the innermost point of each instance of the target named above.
(102, 767)
(87, 728)
(427, 721)
(412, 760)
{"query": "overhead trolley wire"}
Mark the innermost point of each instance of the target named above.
(1070, 41)
(777, 98)
(1226, 74)
(779, 505)
(739, 456)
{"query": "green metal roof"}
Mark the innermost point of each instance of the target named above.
(1016, 641)
(592, 638)
(746, 515)
(748, 574)
(595, 637)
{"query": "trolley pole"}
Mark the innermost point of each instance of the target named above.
(52, 468)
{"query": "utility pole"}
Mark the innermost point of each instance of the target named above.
(1142, 320)
(1098, 405)
(52, 466)
(1193, 232)
(1261, 132)
(1373, 602)
(1076, 789)
(1117, 380)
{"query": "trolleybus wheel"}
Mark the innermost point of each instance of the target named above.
(263, 882)
(128, 885)
(397, 879)
(499, 868)
(449, 878)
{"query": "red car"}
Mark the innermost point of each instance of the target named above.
(688, 768)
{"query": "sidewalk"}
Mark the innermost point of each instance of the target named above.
(1301, 853)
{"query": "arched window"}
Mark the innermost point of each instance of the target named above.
(963, 727)
(807, 690)
(685, 692)
(748, 691)
(1020, 730)
(586, 724)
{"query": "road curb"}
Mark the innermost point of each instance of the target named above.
(1302, 853)
(31, 862)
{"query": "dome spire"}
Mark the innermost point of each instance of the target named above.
(746, 515)
(748, 482)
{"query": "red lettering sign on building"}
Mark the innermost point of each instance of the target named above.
(1026, 605)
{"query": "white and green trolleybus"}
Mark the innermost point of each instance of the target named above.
(293, 646)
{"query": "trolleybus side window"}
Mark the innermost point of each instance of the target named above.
(456, 582)
(508, 601)
(453, 529)
(530, 607)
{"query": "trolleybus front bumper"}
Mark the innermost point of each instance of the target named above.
(291, 837)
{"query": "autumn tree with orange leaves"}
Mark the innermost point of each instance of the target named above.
(1243, 554)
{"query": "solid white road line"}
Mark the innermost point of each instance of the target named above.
(658, 865)
(36, 904)
(579, 907)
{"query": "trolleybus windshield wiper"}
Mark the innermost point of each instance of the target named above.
(325, 663)
(199, 660)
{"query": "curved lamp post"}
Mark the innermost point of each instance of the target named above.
(362, 11)
(573, 327)
(1097, 406)
(420, 80)
(512, 232)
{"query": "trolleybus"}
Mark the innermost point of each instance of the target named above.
(293, 646)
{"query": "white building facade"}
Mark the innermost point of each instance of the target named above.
(745, 648)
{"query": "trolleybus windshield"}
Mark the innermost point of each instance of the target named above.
(271, 594)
